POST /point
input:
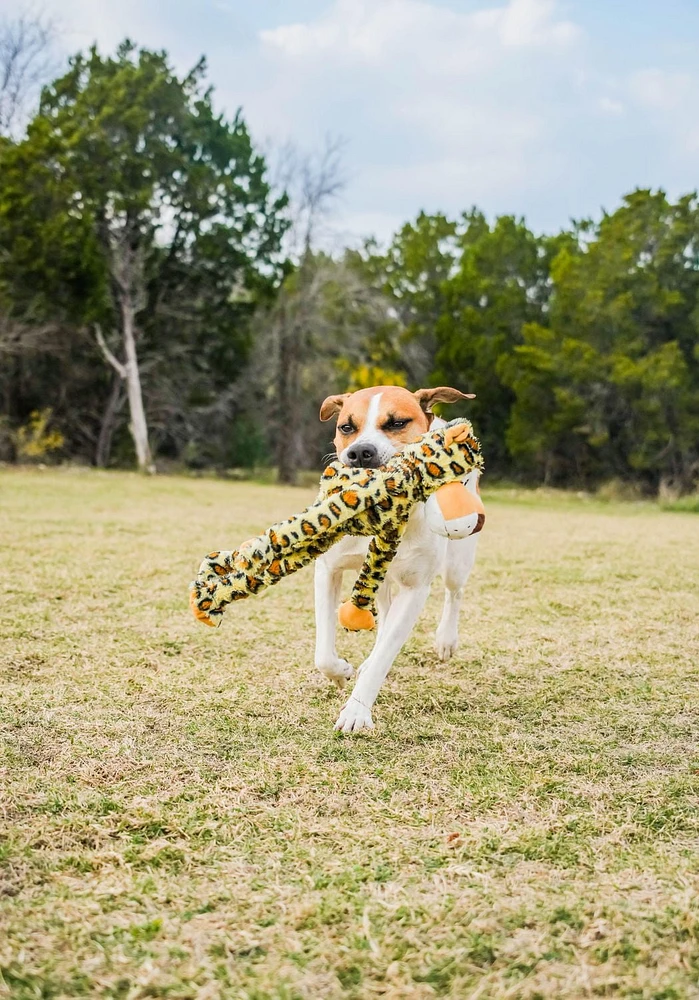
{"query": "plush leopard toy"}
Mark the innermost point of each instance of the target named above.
(375, 502)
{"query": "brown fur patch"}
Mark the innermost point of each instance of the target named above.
(395, 402)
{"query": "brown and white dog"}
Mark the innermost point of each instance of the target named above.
(372, 425)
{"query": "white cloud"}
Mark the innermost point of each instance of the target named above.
(511, 106)
(610, 106)
(377, 31)
(660, 108)
(455, 108)
(82, 22)
(670, 100)
(534, 22)
(660, 90)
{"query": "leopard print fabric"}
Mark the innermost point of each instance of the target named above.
(375, 502)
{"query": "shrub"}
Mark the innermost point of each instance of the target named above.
(35, 439)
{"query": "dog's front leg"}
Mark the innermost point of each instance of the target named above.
(397, 626)
(328, 581)
(383, 604)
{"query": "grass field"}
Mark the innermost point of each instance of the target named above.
(179, 819)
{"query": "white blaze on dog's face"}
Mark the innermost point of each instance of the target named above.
(374, 424)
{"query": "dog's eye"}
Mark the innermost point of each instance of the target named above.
(346, 428)
(395, 424)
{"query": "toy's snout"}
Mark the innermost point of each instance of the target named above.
(454, 512)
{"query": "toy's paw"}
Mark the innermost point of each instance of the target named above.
(446, 644)
(354, 717)
(200, 614)
(355, 619)
(338, 671)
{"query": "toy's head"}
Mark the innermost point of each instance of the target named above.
(374, 424)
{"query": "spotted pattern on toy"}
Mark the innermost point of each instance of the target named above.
(375, 502)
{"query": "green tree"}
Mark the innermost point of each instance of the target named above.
(412, 274)
(612, 388)
(553, 419)
(500, 285)
(133, 207)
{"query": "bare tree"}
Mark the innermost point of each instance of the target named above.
(313, 182)
(108, 424)
(126, 267)
(24, 64)
(318, 326)
(294, 323)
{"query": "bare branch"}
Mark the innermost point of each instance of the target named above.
(283, 165)
(321, 182)
(24, 64)
(117, 365)
(127, 266)
(313, 182)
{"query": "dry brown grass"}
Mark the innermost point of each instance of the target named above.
(179, 819)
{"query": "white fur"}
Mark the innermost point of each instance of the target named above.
(371, 434)
(422, 554)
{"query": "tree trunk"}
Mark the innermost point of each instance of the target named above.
(108, 425)
(138, 425)
(287, 408)
(548, 469)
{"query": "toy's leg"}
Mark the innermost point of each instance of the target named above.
(328, 581)
(459, 560)
(400, 619)
(357, 614)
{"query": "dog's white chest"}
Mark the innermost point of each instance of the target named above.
(419, 553)
(416, 561)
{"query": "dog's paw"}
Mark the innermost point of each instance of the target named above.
(446, 644)
(338, 671)
(354, 717)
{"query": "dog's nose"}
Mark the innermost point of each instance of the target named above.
(363, 456)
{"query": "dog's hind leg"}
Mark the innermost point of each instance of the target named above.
(458, 563)
(328, 582)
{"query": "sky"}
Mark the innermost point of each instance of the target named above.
(547, 109)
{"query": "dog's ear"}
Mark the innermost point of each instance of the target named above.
(442, 394)
(332, 405)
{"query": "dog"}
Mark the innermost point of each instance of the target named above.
(372, 426)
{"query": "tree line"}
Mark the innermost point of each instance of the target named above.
(163, 298)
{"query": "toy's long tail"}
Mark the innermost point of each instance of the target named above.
(285, 547)
(224, 577)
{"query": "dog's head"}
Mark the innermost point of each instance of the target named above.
(374, 424)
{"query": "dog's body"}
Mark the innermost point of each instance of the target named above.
(373, 425)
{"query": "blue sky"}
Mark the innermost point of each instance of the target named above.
(549, 109)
